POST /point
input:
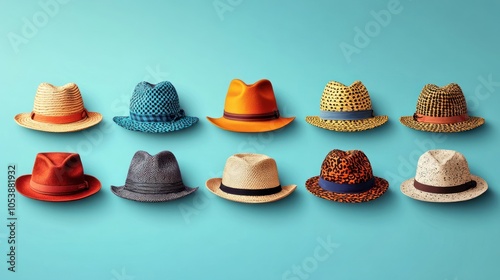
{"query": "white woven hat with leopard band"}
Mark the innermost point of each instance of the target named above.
(58, 109)
(250, 178)
(346, 108)
(443, 176)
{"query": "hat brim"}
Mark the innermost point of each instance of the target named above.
(23, 187)
(409, 190)
(213, 185)
(250, 126)
(380, 187)
(347, 126)
(123, 192)
(24, 119)
(470, 123)
(155, 127)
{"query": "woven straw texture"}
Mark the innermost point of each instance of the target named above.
(256, 98)
(447, 101)
(443, 168)
(159, 99)
(159, 169)
(347, 167)
(338, 97)
(53, 100)
(250, 172)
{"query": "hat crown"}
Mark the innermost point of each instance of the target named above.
(53, 100)
(58, 169)
(257, 98)
(442, 168)
(250, 171)
(338, 97)
(161, 168)
(447, 101)
(346, 167)
(151, 99)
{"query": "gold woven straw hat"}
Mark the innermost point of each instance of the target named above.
(58, 109)
(346, 108)
(441, 109)
(250, 178)
(443, 176)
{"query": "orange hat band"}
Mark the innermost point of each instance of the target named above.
(60, 119)
(252, 117)
(440, 120)
(58, 190)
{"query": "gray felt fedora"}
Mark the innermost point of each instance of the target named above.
(153, 179)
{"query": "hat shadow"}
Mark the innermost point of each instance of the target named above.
(380, 206)
(276, 212)
(94, 207)
(473, 213)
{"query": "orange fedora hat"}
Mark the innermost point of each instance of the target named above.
(250, 108)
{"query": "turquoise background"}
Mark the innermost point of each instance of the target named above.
(107, 47)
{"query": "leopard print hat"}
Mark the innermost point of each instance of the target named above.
(347, 176)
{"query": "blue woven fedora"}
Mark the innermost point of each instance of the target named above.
(155, 109)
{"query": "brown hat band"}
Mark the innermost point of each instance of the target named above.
(252, 117)
(440, 120)
(452, 189)
(78, 116)
(58, 190)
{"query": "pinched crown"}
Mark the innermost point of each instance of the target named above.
(442, 168)
(346, 167)
(157, 169)
(257, 98)
(250, 171)
(447, 101)
(53, 100)
(159, 99)
(340, 98)
(58, 169)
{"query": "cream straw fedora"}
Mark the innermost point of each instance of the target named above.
(443, 176)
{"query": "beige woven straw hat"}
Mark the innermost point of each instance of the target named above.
(346, 108)
(58, 109)
(443, 176)
(250, 178)
(441, 109)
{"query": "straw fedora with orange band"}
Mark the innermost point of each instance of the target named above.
(58, 109)
(250, 108)
(442, 109)
(57, 177)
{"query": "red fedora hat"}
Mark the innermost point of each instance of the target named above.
(57, 177)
